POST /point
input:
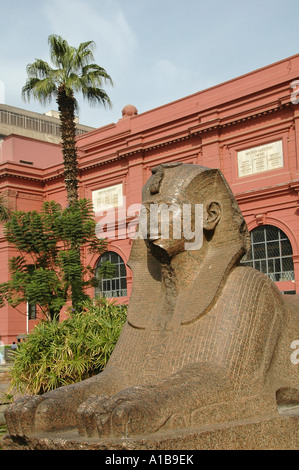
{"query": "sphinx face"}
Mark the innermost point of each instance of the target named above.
(179, 211)
(168, 223)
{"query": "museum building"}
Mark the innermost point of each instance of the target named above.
(247, 127)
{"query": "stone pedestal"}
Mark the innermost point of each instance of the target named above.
(266, 433)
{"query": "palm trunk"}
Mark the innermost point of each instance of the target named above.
(68, 136)
(66, 106)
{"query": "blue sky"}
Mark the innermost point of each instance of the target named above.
(156, 51)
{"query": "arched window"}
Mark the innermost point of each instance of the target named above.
(271, 253)
(113, 283)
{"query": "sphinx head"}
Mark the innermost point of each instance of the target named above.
(191, 207)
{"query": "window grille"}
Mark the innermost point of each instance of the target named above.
(116, 285)
(271, 253)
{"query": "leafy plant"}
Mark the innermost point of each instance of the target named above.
(50, 268)
(60, 353)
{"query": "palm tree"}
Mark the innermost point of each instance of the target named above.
(74, 72)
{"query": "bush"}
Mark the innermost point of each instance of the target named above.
(60, 353)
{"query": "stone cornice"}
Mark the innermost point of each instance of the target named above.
(210, 126)
(17, 170)
(20, 171)
(261, 193)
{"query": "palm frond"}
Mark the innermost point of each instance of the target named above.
(73, 71)
(96, 96)
(38, 69)
(43, 90)
(59, 48)
(95, 75)
(84, 54)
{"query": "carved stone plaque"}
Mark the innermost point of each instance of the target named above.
(107, 197)
(258, 159)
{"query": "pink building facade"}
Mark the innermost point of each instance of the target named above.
(247, 127)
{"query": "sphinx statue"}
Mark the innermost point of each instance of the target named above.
(207, 340)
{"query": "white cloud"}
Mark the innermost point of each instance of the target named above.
(103, 22)
(155, 51)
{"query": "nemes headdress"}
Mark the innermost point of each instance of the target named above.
(229, 242)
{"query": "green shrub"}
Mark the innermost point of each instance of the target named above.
(60, 353)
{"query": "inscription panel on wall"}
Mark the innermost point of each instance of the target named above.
(107, 197)
(258, 159)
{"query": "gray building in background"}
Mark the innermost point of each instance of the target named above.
(45, 127)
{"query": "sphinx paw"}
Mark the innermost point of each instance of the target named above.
(20, 416)
(129, 413)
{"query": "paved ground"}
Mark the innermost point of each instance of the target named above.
(4, 377)
(4, 385)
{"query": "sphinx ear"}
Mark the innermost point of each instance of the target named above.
(212, 215)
